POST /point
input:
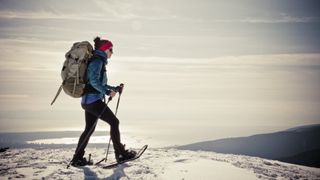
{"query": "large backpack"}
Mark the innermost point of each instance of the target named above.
(74, 69)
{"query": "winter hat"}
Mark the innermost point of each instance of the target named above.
(106, 45)
(102, 44)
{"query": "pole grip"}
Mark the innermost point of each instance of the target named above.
(121, 88)
(120, 91)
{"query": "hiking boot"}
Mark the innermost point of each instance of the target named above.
(80, 162)
(121, 154)
(127, 154)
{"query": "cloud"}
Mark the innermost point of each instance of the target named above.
(246, 11)
(13, 96)
(104, 12)
(276, 18)
(99, 10)
(284, 18)
(301, 60)
(53, 10)
(145, 27)
(14, 102)
(256, 88)
(43, 15)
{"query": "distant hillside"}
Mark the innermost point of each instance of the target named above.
(309, 158)
(278, 145)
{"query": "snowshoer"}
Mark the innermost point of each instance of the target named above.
(94, 106)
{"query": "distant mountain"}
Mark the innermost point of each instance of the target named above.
(288, 143)
(309, 158)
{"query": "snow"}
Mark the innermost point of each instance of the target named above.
(187, 169)
(157, 163)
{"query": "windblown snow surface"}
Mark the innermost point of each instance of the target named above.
(160, 163)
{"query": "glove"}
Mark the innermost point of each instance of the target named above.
(119, 88)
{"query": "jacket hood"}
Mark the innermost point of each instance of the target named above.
(101, 54)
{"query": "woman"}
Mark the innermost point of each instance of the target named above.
(94, 106)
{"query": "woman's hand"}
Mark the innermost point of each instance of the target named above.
(112, 94)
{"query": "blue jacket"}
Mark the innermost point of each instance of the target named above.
(97, 78)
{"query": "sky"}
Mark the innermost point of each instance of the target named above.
(193, 70)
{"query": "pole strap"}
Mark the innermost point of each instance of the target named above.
(57, 94)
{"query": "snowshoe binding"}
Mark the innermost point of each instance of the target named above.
(77, 162)
(125, 154)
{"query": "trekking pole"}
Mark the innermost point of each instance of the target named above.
(105, 159)
(120, 92)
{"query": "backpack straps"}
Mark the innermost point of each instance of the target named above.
(58, 92)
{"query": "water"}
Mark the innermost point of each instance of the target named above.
(70, 139)
(133, 138)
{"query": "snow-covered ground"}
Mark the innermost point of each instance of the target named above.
(160, 163)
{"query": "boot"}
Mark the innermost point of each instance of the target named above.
(122, 154)
(79, 160)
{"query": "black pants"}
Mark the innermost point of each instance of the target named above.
(93, 112)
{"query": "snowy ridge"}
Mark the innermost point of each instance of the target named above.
(154, 164)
